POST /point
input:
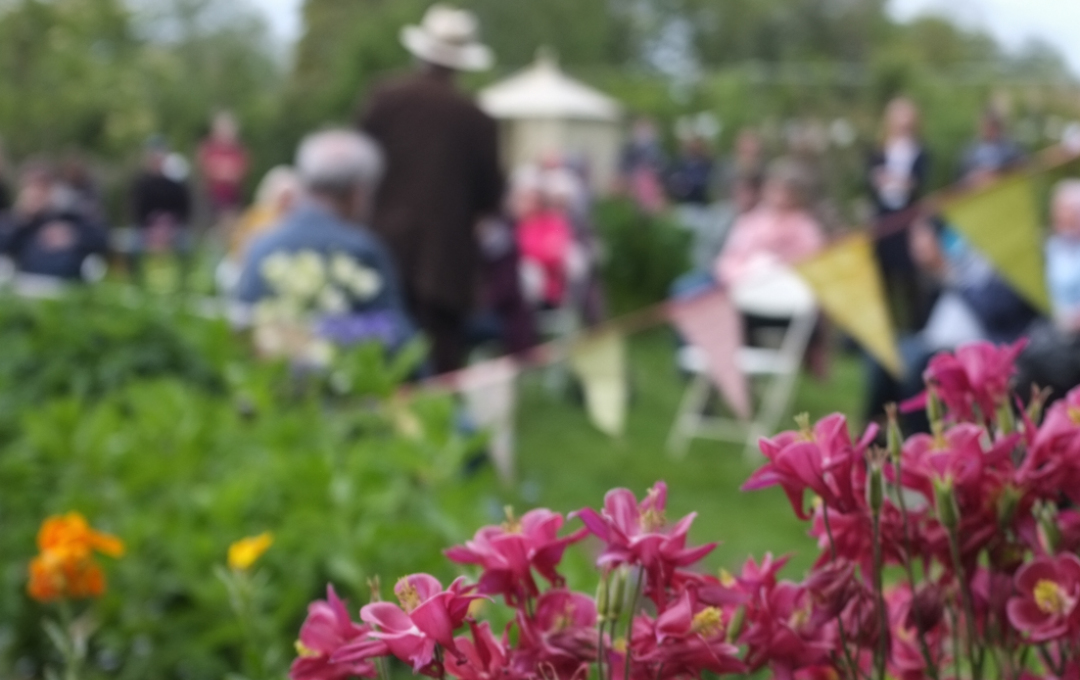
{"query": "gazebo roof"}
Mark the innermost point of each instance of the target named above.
(544, 91)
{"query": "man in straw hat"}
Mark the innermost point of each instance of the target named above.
(442, 175)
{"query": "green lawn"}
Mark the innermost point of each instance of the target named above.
(565, 464)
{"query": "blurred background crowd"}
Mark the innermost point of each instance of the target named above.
(712, 141)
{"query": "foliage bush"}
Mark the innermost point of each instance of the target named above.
(166, 436)
(642, 254)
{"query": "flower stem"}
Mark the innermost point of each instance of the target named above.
(855, 674)
(882, 650)
(638, 588)
(1048, 659)
(924, 647)
(600, 650)
(969, 608)
(70, 651)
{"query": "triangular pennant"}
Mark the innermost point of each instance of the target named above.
(599, 362)
(847, 285)
(711, 323)
(1002, 222)
(490, 392)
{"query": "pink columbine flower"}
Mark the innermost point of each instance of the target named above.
(680, 644)
(823, 460)
(1049, 591)
(958, 455)
(561, 635)
(326, 630)
(758, 577)
(909, 619)
(1052, 464)
(781, 632)
(509, 553)
(635, 534)
(482, 658)
(428, 616)
(689, 639)
(977, 375)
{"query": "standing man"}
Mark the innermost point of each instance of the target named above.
(442, 176)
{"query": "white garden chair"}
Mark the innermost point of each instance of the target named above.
(781, 295)
(562, 324)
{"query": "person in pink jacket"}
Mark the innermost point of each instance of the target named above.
(544, 236)
(780, 231)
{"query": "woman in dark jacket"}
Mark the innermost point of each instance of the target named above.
(897, 178)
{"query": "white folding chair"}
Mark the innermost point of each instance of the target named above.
(563, 323)
(782, 296)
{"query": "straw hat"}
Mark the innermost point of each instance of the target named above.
(448, 37)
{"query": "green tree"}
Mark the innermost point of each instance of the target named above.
(62, 75)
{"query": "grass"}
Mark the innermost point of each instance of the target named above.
(565, 464)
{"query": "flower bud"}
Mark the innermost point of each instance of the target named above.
(934, 410)
(735, 626)
(1007, 504)
(875, 481)
(617, 595)
(945, 502)
(1037, 403)
(927, 609)
(602, 599)
(894, 439)
(1049, 532)
(1006, 418)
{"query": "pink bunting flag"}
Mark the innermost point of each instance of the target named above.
(711, 323)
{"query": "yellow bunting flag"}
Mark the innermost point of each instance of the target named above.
(599, 362)
(1002, 222)
(490, 392)
(847, 284)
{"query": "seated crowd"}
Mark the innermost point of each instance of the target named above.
(538, 251)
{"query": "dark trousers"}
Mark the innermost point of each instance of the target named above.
(446, 331)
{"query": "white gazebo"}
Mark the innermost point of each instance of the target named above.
(541, 110)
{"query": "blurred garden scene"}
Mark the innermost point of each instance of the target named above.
(544, 340)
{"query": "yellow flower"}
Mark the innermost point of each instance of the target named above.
(246, 551)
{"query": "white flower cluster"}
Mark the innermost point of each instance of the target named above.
(307, 285)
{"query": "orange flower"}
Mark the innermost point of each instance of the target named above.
(65, 567)
(71, 535)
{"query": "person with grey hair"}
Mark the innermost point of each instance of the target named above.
(339, 171)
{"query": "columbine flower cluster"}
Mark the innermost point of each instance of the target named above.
(951, 554)
(948, 554)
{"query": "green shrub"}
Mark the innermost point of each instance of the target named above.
(180, 449)
(643, 255)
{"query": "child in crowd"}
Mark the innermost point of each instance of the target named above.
(780, 231)
(545, 236)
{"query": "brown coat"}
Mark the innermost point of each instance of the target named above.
(442, 175)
